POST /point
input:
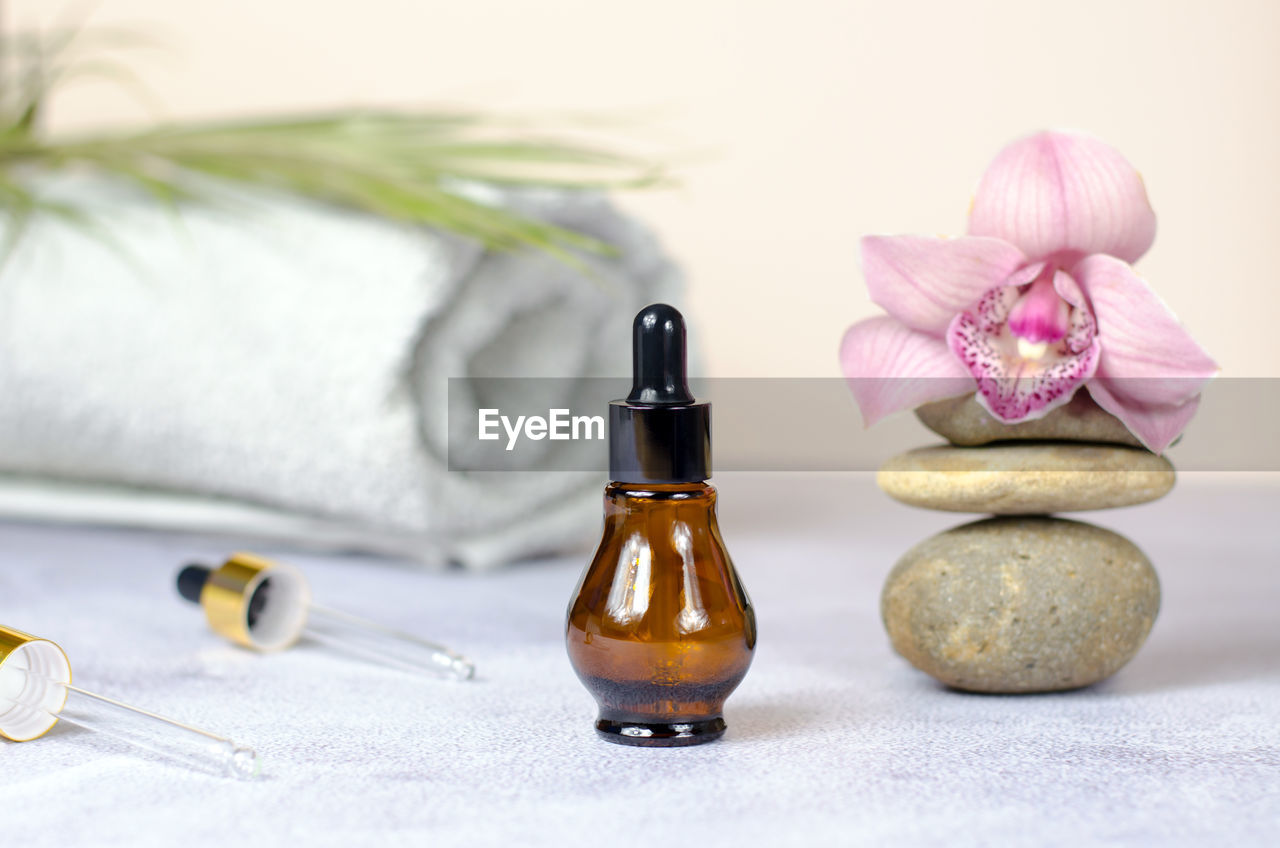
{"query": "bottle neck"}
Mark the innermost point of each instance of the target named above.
(660, 491)
(689, 502)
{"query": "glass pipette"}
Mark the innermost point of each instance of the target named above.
(36, 692)
(266, 605)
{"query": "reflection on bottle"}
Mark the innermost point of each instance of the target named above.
(629, 592)
(693, 617)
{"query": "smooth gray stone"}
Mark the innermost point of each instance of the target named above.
(1021, 604)
(963, 421)
(1026, 478)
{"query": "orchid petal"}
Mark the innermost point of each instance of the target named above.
(924, 282)
(891, 367)
(1057, 193)
(1082, 328)
(1148, 358)
(1069, 290)
(1155, 425)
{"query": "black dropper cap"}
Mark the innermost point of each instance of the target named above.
(659, 433)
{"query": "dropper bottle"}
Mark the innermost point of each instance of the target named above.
(660, 629)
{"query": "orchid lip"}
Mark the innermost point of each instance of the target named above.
(1026, 345)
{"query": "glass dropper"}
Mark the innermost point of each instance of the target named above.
(266, 605)
(36, 693)
(371, 641)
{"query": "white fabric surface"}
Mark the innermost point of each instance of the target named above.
(833, 740)
(292, 359)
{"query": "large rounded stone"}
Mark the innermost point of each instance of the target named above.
(1021, 604)
(963, 421)
(1026, 479)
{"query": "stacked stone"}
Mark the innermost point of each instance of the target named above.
(1023, 601)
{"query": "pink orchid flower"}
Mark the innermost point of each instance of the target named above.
(1037, 301)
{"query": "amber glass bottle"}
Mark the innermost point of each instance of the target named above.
(660, 629)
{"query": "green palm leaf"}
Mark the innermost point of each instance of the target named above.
(410, 167)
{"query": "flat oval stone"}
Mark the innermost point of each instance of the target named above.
(1026, 479)
(963, 421)
(1021, 604)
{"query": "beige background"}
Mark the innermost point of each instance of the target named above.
(813, 121)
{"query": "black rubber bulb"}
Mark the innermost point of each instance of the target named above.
(658, 360)
(191, 580)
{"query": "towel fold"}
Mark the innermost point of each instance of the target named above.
(280, 368)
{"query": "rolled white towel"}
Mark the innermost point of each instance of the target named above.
(279, 368)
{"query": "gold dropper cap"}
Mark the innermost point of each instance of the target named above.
(234, 598)
(26, 714)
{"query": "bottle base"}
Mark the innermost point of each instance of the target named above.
(662, 735)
